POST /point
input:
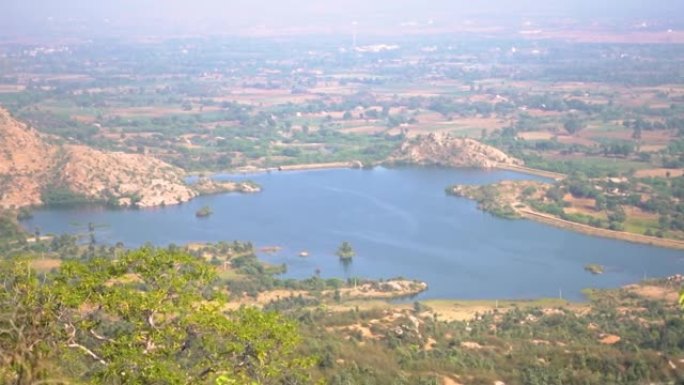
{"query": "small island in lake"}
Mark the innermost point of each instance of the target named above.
(204, 212)
(594, 268)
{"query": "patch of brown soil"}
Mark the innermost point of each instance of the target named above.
(274, 295)
(652, 147)
(584, 205)
(610, 339)
(9, 88)
(536, 135)
(45, 264)
(446, 380)
(471, 345)
(659, 173)
(657, 293)
(567, 139)
(366, 333)
(429, 344)
(363, 129)
(637, 213)
(656, 137)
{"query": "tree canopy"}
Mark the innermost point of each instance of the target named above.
(152, 316)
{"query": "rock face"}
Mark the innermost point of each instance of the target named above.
(29, 165)
(447, 151)
(25, 160)
(123, 178)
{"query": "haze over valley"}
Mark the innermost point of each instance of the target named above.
(341, 192)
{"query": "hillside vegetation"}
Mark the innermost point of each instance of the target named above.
(104, 315)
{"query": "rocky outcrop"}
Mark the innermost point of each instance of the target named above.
(445, 150)
(29, 165)
(123, 179)
(25, 162)
(208, 186)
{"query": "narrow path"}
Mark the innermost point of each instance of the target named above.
(590, 230)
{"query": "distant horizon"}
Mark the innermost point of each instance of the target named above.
(83, 18)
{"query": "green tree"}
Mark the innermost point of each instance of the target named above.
(151, 317)
(573, 125)
(29, 332)
(345, 251)
(157, 318)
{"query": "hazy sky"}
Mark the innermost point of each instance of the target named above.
(24, 15)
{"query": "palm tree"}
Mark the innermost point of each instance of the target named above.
(345, 251)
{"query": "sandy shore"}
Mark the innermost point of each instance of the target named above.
(595, 231)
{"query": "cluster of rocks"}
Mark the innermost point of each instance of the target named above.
(440, 149)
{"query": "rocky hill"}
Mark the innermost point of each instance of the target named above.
(25, 163)
(126, 179)
(30, 166)
(448, 151)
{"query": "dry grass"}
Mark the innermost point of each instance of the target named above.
(653, 147)
(659, 172)
(536, 135)
(659, 137)
(454, 310)
(9, 88)
(88, 119)
(364, 129)
(568, 139)
(610, 339)
(44, 265)
(580, 205)
(446, 380)
(656, 293)
(240, 299)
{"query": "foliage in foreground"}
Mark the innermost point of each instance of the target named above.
(149, 317)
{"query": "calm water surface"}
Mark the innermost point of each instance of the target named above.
(400, 222)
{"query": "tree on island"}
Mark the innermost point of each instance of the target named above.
(345, 251)
(204, 212)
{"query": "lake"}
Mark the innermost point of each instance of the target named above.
(399, 221)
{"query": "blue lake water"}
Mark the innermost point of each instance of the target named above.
(399, 221)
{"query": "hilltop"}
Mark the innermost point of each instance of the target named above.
(35, 170)
(441, 149)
